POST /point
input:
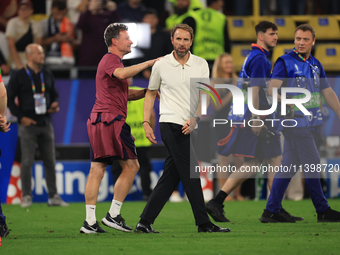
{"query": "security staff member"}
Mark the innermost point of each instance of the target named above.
(211, 32)
(299, 68)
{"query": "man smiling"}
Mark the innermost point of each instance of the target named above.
(109, 135)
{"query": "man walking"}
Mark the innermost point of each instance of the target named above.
(177, 121)
(110, 136)
(299, 68)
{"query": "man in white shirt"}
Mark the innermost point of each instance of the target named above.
(179, 115)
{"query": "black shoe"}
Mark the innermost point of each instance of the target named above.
(291, 216)
(4, 230)
(116, 223)
(93, 229)
(329, 216)
(216, 211)
(269, 217)
(213, 228)
(140, 228)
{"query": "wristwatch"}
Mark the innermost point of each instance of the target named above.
(197, 118)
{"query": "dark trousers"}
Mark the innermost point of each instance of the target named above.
(299, 149)
(178, 165)
(145, 169)
(44, 137)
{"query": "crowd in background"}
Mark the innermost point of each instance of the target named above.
(71, 31)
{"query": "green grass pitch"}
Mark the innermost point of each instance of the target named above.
(55, 230)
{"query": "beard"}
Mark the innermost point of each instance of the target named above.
(181, 53)
(269, 47)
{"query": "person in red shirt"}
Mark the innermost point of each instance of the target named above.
(110, 136)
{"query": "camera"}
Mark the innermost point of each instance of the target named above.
(245, 84)
(266, 135)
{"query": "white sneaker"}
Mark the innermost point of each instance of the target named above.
(56, 201)
(26, 201)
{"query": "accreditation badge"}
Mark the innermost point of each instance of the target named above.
(301, 81)
(316, 76)
(40, 104)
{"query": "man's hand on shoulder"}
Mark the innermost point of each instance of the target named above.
(153, 61)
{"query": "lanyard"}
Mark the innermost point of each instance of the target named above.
(32, 81)
(316, 76)
(314, 69)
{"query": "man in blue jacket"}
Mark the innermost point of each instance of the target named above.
(299, 69)
(257, 142)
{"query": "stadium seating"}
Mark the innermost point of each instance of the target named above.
(326, 27)
(241, 28)
(329, 56)
(239, 53)
(281, 49)
(286, 26)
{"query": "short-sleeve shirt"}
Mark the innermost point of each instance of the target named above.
(280, 72)
(179, 99)
(111, 92)
(17, 29)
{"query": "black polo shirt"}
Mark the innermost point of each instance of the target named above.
(20, 86)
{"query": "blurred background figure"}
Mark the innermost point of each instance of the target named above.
(181, 11)
(8, 9)
(21, 32)
(329, 6)
(58, 35)
(223, 73)
(75, 8)
(131, 10)
(291, 7)
(210, 30)
(160, 40)
(194, 4)
(92, 23)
